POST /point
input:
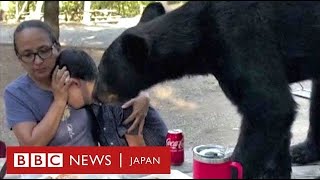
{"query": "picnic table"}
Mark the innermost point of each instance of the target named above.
(28, 16)
(104, 15)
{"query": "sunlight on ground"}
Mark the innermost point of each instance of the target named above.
(128, 22)
(89, 37)
(94, 28)
(167, 93)
(69, 28)
(163, 92)
(97, 43)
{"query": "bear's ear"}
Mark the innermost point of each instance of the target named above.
(135, 48)
(152, 10)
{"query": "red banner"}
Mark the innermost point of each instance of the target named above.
(88, 160)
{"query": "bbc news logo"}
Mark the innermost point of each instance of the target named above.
(88, 160)
(54, 160)
(38, 160)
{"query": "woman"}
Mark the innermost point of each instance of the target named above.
(36, 102)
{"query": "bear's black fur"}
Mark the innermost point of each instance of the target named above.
(151, 11)
(254, 49)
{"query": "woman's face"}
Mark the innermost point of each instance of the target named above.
(36, 40)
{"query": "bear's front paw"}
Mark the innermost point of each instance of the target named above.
(305, 152)
(270, 170)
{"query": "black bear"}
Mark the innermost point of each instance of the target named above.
(254, 49)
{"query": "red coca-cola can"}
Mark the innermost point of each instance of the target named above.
(175, 140)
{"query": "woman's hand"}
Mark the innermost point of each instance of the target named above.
(140, 109)
(60, 84)
(31, 133)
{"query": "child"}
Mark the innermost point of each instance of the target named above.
(108, 127)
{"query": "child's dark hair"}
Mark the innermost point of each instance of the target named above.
(79, 64)
(35, 24)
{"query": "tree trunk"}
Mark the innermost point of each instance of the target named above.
(18, 13)
(37, 12)
(5, 5)
(3, 10)
(86, 12)
(51, 15)
(28, 7)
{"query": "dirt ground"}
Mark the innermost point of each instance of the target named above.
(194, 104)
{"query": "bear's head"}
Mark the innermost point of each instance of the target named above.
(116, 73)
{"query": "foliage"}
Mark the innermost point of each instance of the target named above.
(73, 10)
(124, 8)
(12, 7)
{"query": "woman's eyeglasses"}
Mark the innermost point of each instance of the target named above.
(43, 53)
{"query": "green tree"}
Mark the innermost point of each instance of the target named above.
(73, 10)
(19, 11)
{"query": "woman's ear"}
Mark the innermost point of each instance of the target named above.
(56, 50)
(57, 46)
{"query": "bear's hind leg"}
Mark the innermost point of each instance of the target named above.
(309, 150)
(268, 109)
(264, 140)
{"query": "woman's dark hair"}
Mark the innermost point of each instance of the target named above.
(79, 64)
(35, 24)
